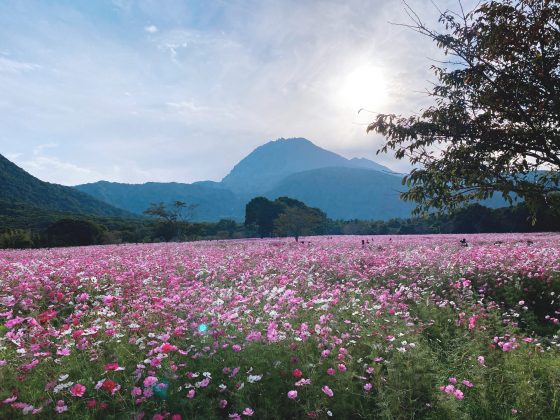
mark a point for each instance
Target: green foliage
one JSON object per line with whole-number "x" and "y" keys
{"x": 17, "y": 238}
{"x": 75, "y": 232}
{"x": 496, "y": 112}
{"x": 261, "y": 212}
{"x": 284, "y": 216}
{"x": 297, "y": 221}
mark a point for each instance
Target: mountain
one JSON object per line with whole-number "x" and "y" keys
{"x": 343, "y": 188}
{"x": 269, "y": 164}
{"x": 214, "y": 201}
{"x": 17, "y": 186}
{"x": 346, "y": 193}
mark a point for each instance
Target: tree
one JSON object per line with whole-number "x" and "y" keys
{"x": 171, "y": 219}
{"x": 75, "y": 232}
{"x": 261, "y": 212}
{"x": 298, "y": 221}
{"x": 495, "y": 125}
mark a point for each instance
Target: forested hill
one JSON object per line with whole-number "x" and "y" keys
{"x": 16, "y": 185}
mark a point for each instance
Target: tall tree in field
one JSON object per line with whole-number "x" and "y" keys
{"x": 261, "y": 212}
{"x": 298, "y": 221}
{"x": 495, "y": 124}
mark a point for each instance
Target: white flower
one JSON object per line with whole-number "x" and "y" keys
{"x": 254, "y": 378}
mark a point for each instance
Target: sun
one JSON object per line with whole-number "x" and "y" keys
{"x": 364, "y": 87}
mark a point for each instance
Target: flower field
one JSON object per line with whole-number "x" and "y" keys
{"x": 402, "y": 327}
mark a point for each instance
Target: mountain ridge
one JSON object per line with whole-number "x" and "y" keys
{"x": 17, "y": 185}
{"x": 261, "y": 172}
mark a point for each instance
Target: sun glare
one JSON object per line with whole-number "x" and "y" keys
{"x": 364, "y": 87}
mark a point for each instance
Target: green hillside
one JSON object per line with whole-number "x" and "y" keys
{"x": 17, "y": 186}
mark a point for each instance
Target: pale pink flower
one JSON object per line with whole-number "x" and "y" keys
{"x": 292, "y": 395}
{"x": 248, "y": 412}
{"x": 149, "y": 381}
{"x": 60, "y": 407}
{"x": 328, "y": 392}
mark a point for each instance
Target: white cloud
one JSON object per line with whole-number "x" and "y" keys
{"x": 152, "y": 29}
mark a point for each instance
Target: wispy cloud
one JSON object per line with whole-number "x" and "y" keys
{"x": 13, "y": 66}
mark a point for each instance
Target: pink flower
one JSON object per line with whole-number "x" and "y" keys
{"x": 248, "y": 412}
{"x": 342, "y": 367}
{"x": 136, "y": 392}
{"x": 481, "y": 360}
{"x": 331, "y": 371}
{"x": 167, "y": 347}
{"x": 191, "y": 394}
{"x": 223, "y": 404}
{"x": 468, "y": 384}
{"x": 458, "y": 394}
{"x": 114, "y": 366}
{"x": 176, "y": 417}
{"x": 292, "y": 395}
{"x": 303, "y": 382}
{"x": 78, "y": 390}
{"x": 149, "y": 381}
{"x": 82, "y": 297}
{"x": 453, "y": 380}
{"x": 60, "y": 407}
{"x": 65, "y": 351}
{"x": 236, "y": 348}
{"x": 449, "y": 389}
{"x": 507, "y": 346}
{"x": 328, "y": 392}
{"x": 10, "y": 399}
{"x": 297, "y": 373}
{"x": 368, "y": 387}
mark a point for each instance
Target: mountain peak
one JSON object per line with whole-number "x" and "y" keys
{"x": 268, "y": 164}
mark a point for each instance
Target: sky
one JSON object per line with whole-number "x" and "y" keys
{"x": 179, "y": 90}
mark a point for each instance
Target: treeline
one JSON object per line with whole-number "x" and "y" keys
{"x": 264, "y": 218}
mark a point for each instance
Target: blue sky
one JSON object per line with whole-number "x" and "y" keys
{"x": 178, "y": 90}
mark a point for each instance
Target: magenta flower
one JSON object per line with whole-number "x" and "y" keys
{"x": 368, "y": 387}
{"x": 292, "y": 395}
{"x": 191, "y": 394}
{"x": 78, "y": 390}
{"x": 248, "y": 412}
